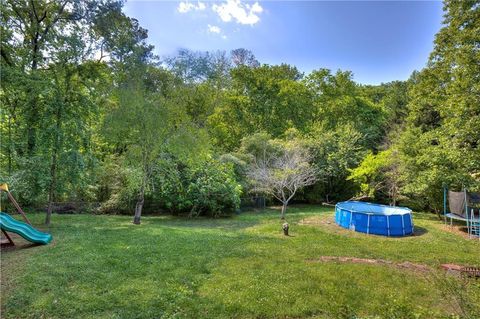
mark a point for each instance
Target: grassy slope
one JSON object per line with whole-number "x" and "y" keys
{"x": 105, "y": 267}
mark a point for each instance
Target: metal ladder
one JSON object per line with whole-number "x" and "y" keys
{"x": 474, "y": 225}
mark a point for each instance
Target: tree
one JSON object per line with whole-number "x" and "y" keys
{"x": 53, "y": 86}
{"x": 33, "y": 37}
{"x": 392, "y": 97}
{"x": 68, "y": 120}
{"x": 334, "y": 153}
{"x": 145, "y": 121}
{"x": 440, "y": 144}
{"x": 283, "y": 172}
{"x": 338, "y": 102}
{"x": 267, "y": 99}
{"x": 379, "y": 176}
{"x": 244, "y": 57}
{"x": 198, "y": 66}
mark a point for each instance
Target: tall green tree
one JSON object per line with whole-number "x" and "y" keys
{"x": 33, "y": 37}
{"x": 267, "y": 99}
{"x": 392, "y": 97}
{"x": 338, "y": 102}
{"x": 334, "y": 153}
{"x": 441, "y": 143}
{"x": 379, "y": 176}
{"x": 142, "y": 121}
{"x": 53, "y": 82}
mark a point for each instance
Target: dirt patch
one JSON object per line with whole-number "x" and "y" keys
{"x": 458, "y": 270}
{"x": 455, "y": 229}
{"x": 317, "y": 220}
{"x": 323, "y": 221}
{"x": 327, "y": 222}
{"x": 406, "y": 265}
{"x": 450, "y": 269}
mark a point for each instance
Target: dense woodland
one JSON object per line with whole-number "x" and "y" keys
{"x": 90, "y": 114}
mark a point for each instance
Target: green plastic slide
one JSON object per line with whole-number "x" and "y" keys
{"x": 12, "y": 225}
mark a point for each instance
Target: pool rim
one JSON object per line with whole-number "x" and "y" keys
{"x": 399, "y": 208}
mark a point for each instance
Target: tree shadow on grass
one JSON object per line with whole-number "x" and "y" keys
{"x": 231, "y": 223}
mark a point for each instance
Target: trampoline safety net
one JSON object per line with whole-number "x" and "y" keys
{"x": 456, "y": 202}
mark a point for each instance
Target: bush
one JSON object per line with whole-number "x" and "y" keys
{"x": 169, "y": 182}
{"x": 203, "y": 188}
{"x": 213, "y": 189}
{"x": 116, "y": 187}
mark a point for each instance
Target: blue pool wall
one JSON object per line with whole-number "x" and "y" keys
{"x": 374, "y": 219}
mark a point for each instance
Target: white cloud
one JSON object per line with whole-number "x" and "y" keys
{"x": 239, "y": 12}
{"x": 214, "y": 29}
{"x": 186, "y": 6}
{"x": 201, "y": 6}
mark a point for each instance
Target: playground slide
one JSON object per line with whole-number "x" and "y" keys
{"x": 12, "y": 225}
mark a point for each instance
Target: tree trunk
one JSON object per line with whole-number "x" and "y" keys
{"x": 284, "y": 209}
{"x": 139, "y": 206}
{"x": 51, "y": 190}
{"x": 53, "y": 182}
{"x": 53, "y": 166}
{"x": 329, "y": 186}
{"x": 48, "y": 217}
{"x": 9, "y": 166}
{"x": 32, "y": 115}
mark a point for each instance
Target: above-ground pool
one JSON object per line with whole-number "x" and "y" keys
{"x": 374, "y": 218}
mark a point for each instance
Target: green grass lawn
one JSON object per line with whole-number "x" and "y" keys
{"x": 238, "y": 267}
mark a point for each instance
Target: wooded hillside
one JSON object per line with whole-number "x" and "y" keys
{"x": 90, "y": 114}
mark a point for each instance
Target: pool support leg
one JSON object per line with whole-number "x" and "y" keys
{"x": 368, "y": 225}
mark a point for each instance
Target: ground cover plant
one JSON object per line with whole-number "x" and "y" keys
{"x": 236, "y": 267}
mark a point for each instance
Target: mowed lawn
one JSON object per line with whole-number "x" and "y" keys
{"x": 236, "y": 267}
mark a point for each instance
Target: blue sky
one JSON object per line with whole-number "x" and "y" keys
{"x": 379, "y": 41}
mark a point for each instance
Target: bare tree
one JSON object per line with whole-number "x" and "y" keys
{"x": 282, "y": 174}
{"x": 245, "y": 57}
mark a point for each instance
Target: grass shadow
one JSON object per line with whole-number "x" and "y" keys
{"x": 419, "y": 231}
{"x": 17, "y": 247}
{"x": 224, "y": 223}
{"x": 19, "y": 244}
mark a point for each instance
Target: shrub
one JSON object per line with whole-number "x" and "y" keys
{"x": 202, "y": 188}
{"x": 212, "y": 189}
{"x": 116, "y": 187}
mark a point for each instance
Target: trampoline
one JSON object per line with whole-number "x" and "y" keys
{"x": 463, "y": 206}
{"x": 374, "y": 219}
